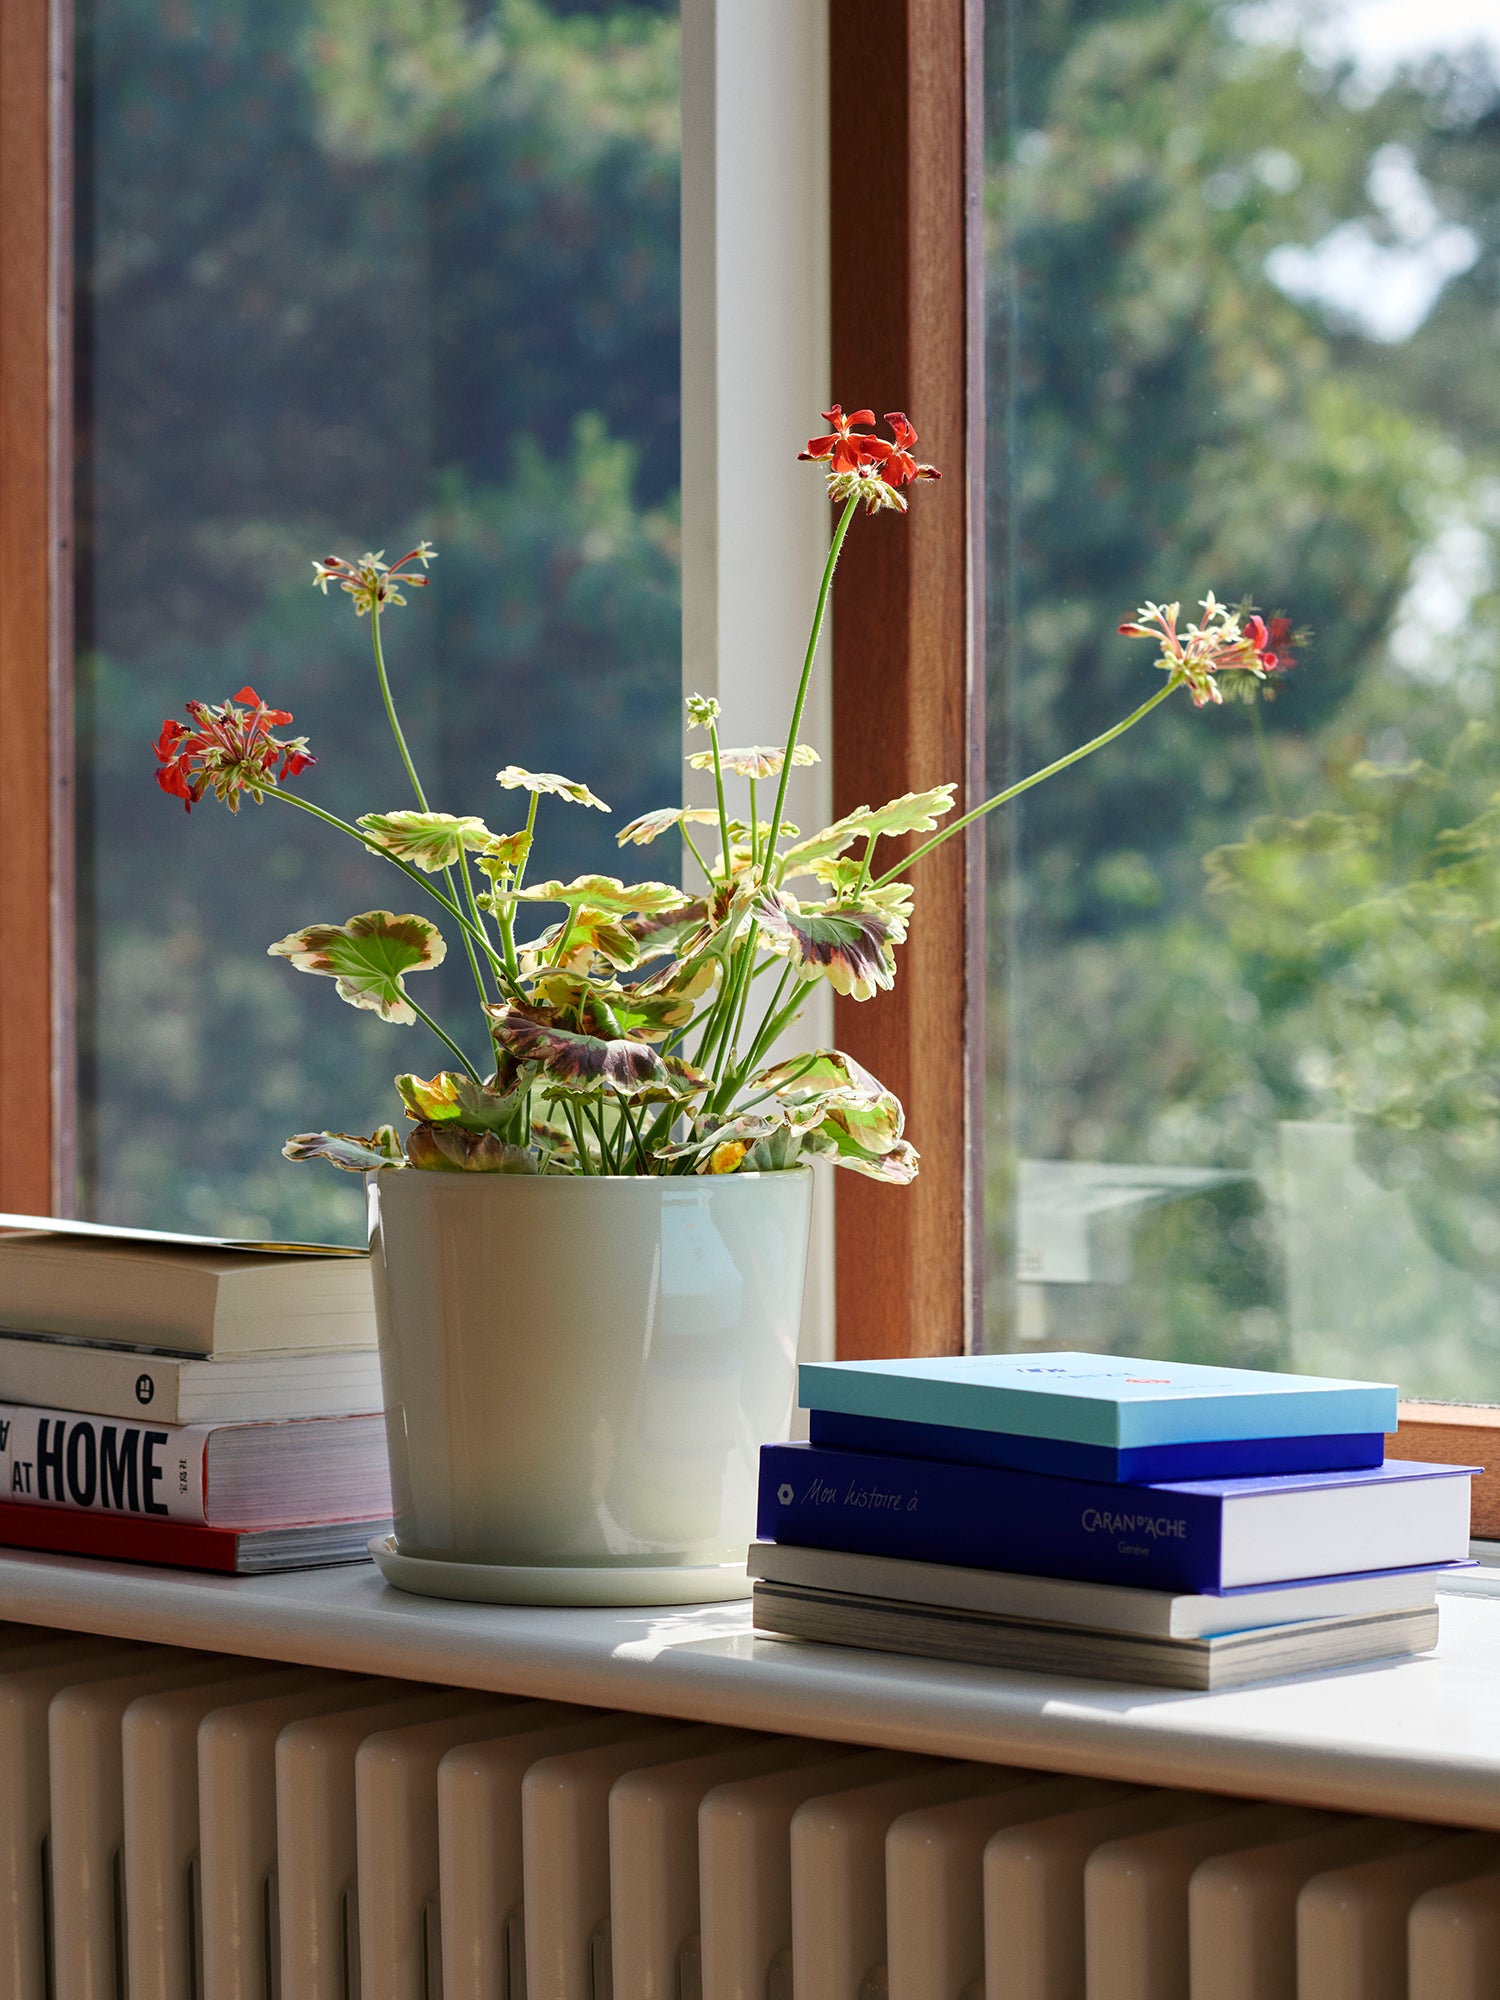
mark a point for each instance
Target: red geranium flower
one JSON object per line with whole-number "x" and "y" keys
{"x": 845, "y": 451}
{"x": 229, "y": 750}
{"x": 1271, "y": 643}
{"x": 900, "y": 467}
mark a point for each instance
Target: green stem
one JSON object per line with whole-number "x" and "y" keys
{"x": 1263, "y": 751}
{"x": 693, "y": 850}
{"x": 713, "y": 744}
{"x": 759, "y": 1045}
{"x": 864, "y": 867}
{"x": 754, "y": 830}
{"x": 580, "y": 1145}
{"x": 819, "y": 614}
{"x": 771, "y": 1028}
{"x": 416, "y": 784}
{"x": 721, "y": 1014}
{"x": 477, "y": 917}
{"x": 635, "y": 1132}
{"x": 390, "y": 709}
{"x": 596, "y": 1116}
{"x": 448, "y": 1041}
{"x": 507, "y": 919}
{"x": 530, "y": 834}
{"x": 1025, "y": 784}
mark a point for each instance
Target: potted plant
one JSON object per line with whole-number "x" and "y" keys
{"x": 589, "y": 1243}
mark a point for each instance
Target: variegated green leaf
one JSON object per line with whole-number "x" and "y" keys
{"x": 913, "y": 812}
{"x": 345, "y": 1149}
{"x": 757, "y": 760}
{"x": 515, "y": 779}
{"x": 453, "y": 1098}
{"x": 898, "y": 1166}
{"x": 503, "y": 855}
{"x": 849, "y": 947}
{"x": 751, "y": 1142}
{"x": 580, "y": 1062}
{"x": 452, "y": 1149}
{"x": 827, "y": 1077}
{"x": 428, "y": 840}
{"x": 368, "y": 956}
{"x": 652, "y": 825}
{"x": 584, "y": 935}
{"x": 607, "y": 892}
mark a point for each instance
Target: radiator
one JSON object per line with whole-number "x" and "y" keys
{"x": 177, "y": 1826}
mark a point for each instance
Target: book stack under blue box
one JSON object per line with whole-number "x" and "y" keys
{"x": 1167, "y": 1522}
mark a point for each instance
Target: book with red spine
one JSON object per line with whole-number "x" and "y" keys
{"x": 71, "y": 1531}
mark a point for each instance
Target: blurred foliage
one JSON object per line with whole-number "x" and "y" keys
{"x": 351, "y": 271}
{"x": 1166, "y": 417}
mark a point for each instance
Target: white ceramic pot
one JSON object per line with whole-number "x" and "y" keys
{"x": 579, "y": 1373}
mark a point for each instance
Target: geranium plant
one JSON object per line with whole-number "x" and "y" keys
{"x": 627, "y": 1027}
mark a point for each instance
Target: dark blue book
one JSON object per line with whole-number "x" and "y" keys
{"x": 1227, "y": 1458}
{"x": 1212, "y": 1534}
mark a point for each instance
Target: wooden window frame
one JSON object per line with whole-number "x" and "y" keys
{"x": 906, "y": 167}
{"x": 37, "y": 1092}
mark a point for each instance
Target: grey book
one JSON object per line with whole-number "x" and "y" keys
{"x": 1102, "y": 1607}
{"x": 181, "y": 1294}
{"x": 1225, "y": 1660}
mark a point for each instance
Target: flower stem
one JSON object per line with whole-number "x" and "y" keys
{"x": 1025, "y": 784}
{"x": 759, "y": 1043}
{"x": 1263, "y": 751}
{"x": 580, "y": 1144}
{"x": 819, "y": 614}
{"x": 713, "y": 744}
{"x": 416, "y": 784}
{"x": 693, "y": 850}
{"x": 390, "y": 709}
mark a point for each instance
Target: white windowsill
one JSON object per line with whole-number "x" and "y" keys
{"x": 1419, "y": 1738}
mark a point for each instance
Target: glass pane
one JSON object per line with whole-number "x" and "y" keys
{"x": 1244, "y": 335}
{"x": 352, "y": 273}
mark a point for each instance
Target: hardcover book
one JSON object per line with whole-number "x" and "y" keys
{"x": 1099, "y": 1607}
{"x": 182, "y": 1545}
{"x": 181, "y": 1294}
{"x": 218, "y": 1475}
{"x": 1227, "y": 1458}
{"x": 113, "y": 1381}
{"x": 1098, "y": 1399}
{"x": 1232, "y": 1659}
{"x": 1196, "y": 1535}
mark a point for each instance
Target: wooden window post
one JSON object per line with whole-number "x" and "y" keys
{"x": 906, "y": 138}
{"x": 35, "y": 586}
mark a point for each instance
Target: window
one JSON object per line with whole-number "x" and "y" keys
{"x": 1242, "y": 1030}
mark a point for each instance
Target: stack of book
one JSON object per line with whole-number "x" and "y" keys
{"x": 1162, "y": 1522}
{"x": 186, "y": 1400}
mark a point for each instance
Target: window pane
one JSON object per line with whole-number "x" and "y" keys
{"x": 352, "y": 273}
{"x": 1244, "y": 333}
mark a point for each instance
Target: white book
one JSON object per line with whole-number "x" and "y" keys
{"x": 1099, "y": 1607}
{"x": 176, "y": 1389}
